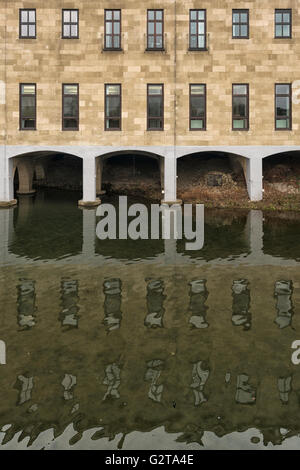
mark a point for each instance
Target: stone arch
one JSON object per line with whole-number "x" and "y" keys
{"x": 102, "y": 160}
{"x": 281, "y": 171}
{"x": 28, "y": 164}
{"x": 218, "y": 163}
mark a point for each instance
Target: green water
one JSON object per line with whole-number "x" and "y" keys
{"x": 142, "y": 344}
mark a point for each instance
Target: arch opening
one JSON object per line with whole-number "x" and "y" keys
{"x": 45, "y": 170}
{"x": 130, "y": 173}
{"x": 282, "y": 175}
{"x": 212, "y": 176}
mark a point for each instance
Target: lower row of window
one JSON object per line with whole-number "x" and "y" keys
{"x": 155, "y": 107}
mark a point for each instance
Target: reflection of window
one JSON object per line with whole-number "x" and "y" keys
{"x": 197, "y": 107}
{"x": 27, "y": 24}
{"x": 27, "y": 106}
{"x": 70, "y": 107}
{"x": 240, "y": 107}
{"x": 112, "y": 29}
{"x": 283, "y": 23}
{"x": 240, "y": 24}
{"x": 112, "y": 107}
{"x": 155, "y": 107}
{"x": 198, "y": 29}
{"x": 283, "y": 104}
{"x": 155, "y": 25}
{"x": 70, "y": 24}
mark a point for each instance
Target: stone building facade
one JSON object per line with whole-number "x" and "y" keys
{"x": 260, "y": 50}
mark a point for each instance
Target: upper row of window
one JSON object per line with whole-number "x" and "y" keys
{"x": 155, "y": 27}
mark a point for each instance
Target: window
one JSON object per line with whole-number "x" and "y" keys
{"x": 240, "y": 107}
{"x": 240, "y": 24}
{"x": 27, "y": 24}
{"x": 197, "y": 107}
{"x": 112, "y": 29}
{"x": 113, "y": 107}
{"x": 70, "y": 108}
{"x": 283, "y": 105}
{"x": 197, "y": 29}
{"x": 283, "y": 23}
{"x": 27, "y": 106}
{"x": 155, "y": 107}
{"x": 155, "y": 27}
{"x": 70, "y": 26}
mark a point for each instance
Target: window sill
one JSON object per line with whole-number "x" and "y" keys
{"x": 112, "y": 49}
{"x": 155, "y": 50}
{"x": 195, "y": 49}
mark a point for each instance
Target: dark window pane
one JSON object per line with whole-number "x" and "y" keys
{"x": 70, "y": 106}
{"x": 70, "y": 123}
{"x": 282, "y": 106}
{"x": 239, "y": 106}
{"x": 113, "y": 123}
{"x": 155, "y": 106}
{"x": 155, "y": 124}
{"x": 28, "y": 123}
{"x": 197, "y": 106}
{"x": 113, "y": 106}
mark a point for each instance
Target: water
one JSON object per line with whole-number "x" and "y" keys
{"x": 143, "y": 345}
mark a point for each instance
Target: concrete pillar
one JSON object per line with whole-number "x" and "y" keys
{"x": 254, "y": 178}
{"x": 170, "y": 180}
{"x": 89, "y": 198}
{"x": 162, "y": 169}
{"x": 6, "y": 181}
{"x": 26, "y": 171}
{"x": 99, "y": 173}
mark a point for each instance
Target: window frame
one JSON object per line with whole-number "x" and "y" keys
{"x": 290, "y": 107}
{"x": 247, "y": 128}
{"x": 190, "y": 103}
{"x": 160, "y": 129}
{"x": 105, "y": 107}
{"x": 20, "y": 107}
{"x": 197, "y": 21}
{"x": 112, "y": 35}
{"x": 27, "y": 23}
{"x": 70, "y": 23}
{"x": 63, "y": 106}
{"x": 240, "y": 11}
{"x": 155, "y": 35}
{"x": 282, "y": 11}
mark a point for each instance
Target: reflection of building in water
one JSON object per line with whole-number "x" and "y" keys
{"x": 26, "y": 303}
{"x": 200, "y": 374}
{"x": 69, "y": 299}
{"x": 241, "y": 304}
{"x": 25, "y": 385}
{"x": 154, "y": 369}
{"x": 155, "y": 301}
{"x": 284, "y": 388}
{"x": 197, "y": 308}
{"x": 245, "y": 393}
{"x": 284, "y": 305}
{"x": 69, "y": 382}
{"x": 112, "y": 380}
{"x": 112, "y": 289}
